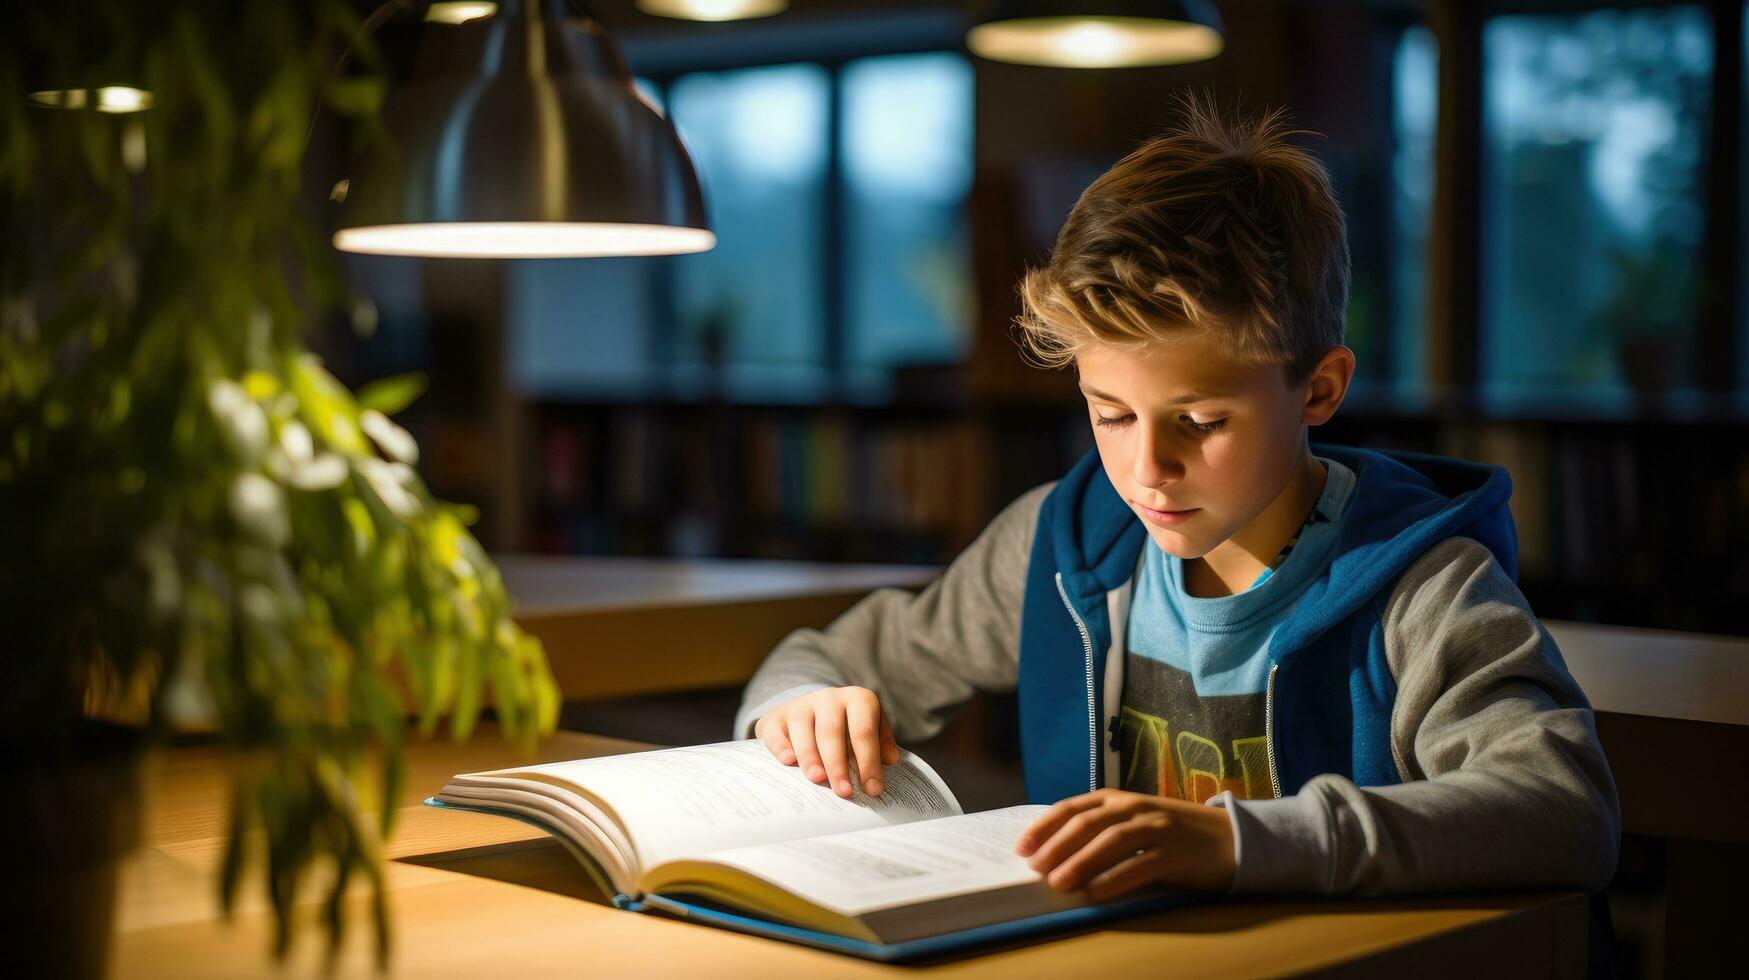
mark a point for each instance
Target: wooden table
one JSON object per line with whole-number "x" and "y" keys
{"x": 475, "y": 896}
{"x": 1672, "y": 708}
{"x": 616, "y": 627}
{"x": 1673, "y": 716}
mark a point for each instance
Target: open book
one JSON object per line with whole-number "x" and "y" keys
{"x": 728, "y": 835}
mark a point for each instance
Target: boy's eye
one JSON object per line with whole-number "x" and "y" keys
{"x": 1112, "y": 421}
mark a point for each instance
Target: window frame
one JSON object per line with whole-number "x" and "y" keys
{"x": 834, "y": 216}
{"x": 1456, "y": 277}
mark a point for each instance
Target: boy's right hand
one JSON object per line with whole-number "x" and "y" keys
{"x": 821, "y": 732}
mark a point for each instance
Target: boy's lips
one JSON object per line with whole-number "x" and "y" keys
{"x": 1167, "y": 518}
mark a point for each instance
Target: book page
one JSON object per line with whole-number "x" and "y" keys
{"x": 597, "y": 856}
{"x": 863, "y": 871}
{"x": 686, "y": 801}
{"x": 563, "y": 813}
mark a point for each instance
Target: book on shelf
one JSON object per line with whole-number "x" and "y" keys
{"x": 727, "y": 836}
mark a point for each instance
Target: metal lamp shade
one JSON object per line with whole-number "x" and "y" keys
{"x": 1098, "y": 33}
{"x": 520, "y": 135}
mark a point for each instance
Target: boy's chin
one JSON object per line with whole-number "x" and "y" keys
{"x": 1178, "y": 545}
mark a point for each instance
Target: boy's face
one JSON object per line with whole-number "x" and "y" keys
{"x": 1198, "y": 442}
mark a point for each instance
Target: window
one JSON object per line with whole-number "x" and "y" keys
{"x": 750, "y": 310}
{"x": 1594, "y": 129}
{"x": 907, "y": 146}
{"x": 580, "y": 327}
{"x": 1415, "y": 117}
{"x": 838, "y": 197}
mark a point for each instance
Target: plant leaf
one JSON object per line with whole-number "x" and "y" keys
{"x": 393, "y": 394}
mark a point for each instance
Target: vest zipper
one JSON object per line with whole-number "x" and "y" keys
{"x": 1092, "y": 709}
{"x": 1269, "y": 729}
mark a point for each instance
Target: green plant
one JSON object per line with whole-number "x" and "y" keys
{"x": 186, "y": 495}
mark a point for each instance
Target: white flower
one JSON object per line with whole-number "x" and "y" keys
{"x": 389, "y": 437}
{"x": 242, "y": 423}
{"x": 325, "y": 472}
{"x": 258, "y": 505}
{"x": 295, "y": 439}
{"x": 389, "y": 482}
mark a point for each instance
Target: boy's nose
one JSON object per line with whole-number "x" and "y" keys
{"x": 1157, "y": 465}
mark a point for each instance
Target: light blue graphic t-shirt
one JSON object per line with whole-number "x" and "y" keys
{"x": 1191, "y": 721}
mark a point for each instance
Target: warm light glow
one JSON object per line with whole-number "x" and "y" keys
{"x": 523, "y": 240}
{"x": 119, "y": 98}
{"x": 712, "y": 9}
{"x": 459, "y": 11}
{"x": 1094, "y": 42}
{"x": 110, "y": 98}
{"x": 72, "y": 98}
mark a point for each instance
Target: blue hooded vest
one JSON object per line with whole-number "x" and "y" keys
{"x": 1328, "y": 704}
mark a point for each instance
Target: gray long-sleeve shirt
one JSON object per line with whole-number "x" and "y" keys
{"x": 1504, "y": 782}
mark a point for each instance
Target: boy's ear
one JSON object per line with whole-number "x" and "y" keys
{"x": 1328, "y": 385}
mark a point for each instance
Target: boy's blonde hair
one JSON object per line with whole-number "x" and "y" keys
{"x": 1218, "y": 224}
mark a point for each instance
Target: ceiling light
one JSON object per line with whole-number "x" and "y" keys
{"x": 521, "y": 136}
{"x": 1097, "y": 33}
{"x": 108, "y": 98}
{"x": 712, "y": 9}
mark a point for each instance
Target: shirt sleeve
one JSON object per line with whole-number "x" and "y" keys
{"x": 1505, "y": 783}
{"x": 923, "y": 655}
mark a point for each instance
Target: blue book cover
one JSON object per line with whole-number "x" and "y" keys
{"x": 692, "y": 909}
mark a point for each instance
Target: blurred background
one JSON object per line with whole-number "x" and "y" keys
{"x": 1546, "y": 205}
{"x": 1545, "y": 202}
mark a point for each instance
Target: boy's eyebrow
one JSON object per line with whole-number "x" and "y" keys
{"x": 1185, "y": 399}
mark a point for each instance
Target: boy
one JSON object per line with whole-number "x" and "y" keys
{"x": 1328, "y": 647}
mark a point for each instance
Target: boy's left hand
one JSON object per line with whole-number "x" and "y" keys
{"x": 1114, "y": 842}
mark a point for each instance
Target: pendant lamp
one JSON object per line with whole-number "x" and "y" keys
{"x": 520, "y": 135}
{"x": 1097, "y": 33}
{"x": 103, "y": 98}
{"x": 713, "y": 10}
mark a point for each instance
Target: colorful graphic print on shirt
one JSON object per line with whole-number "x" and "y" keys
{"x": 1196, "y": 746}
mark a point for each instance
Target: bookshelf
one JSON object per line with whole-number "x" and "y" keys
{"x": 1641, "y": 522}
{"x": 910, "y": 483}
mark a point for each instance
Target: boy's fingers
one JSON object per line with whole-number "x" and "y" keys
{"x": 865, "y": 743}
{"x": 1071, "y": 837}
{"x": 770, "y": 731}
{"x": 1127, "y": 875}
{"x": 801, "y": 735}
{"x": 1047, "y": 823}
{"x": 1116, "y": 840}
{"x": 829, "y": 737}
{"x": 889, "y": 746}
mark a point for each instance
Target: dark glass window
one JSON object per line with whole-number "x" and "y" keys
{"x": 580, "y": 327}
{"x": 907, "y": 150}
{"x": 752, "y": 320}
{"x": 749, "y": 312}
{"x": 1415, "y": 116}
{"x": 1594, "y": 130}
